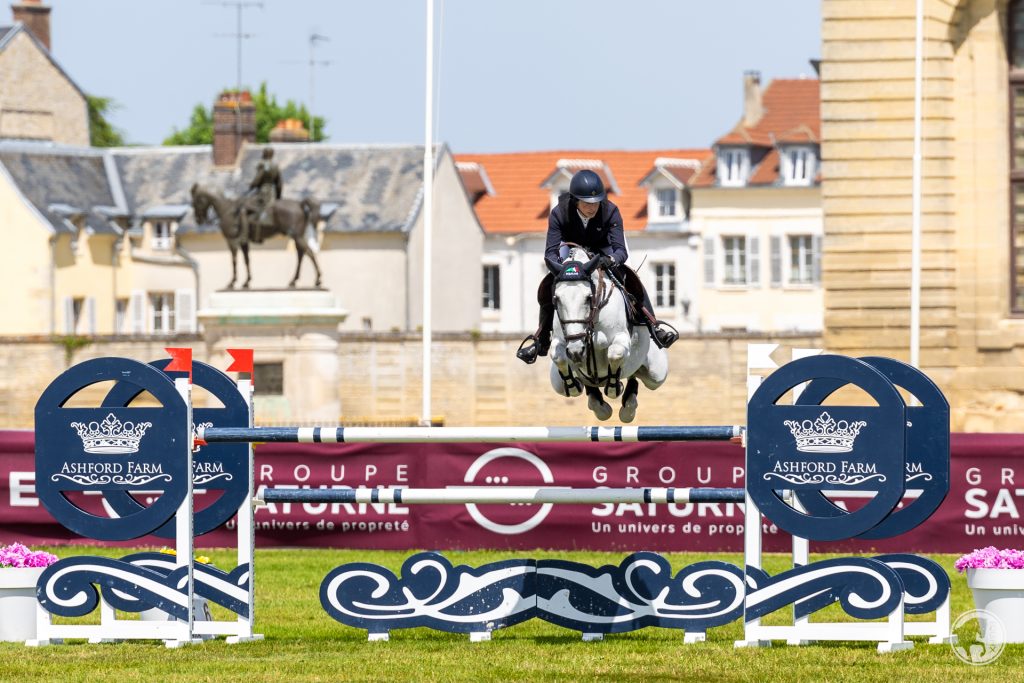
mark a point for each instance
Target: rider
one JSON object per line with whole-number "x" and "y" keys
{"x": 585, "y": 216}
{"x": 264, "y": 188}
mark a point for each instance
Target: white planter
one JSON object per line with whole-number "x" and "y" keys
{"x": 1001, "y": 592}
{"x": 18, "y": 603}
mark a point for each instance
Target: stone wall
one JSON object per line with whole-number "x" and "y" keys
{"x": 476, "y": 380}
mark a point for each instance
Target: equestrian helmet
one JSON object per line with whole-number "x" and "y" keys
{"x": 586, "y": 186}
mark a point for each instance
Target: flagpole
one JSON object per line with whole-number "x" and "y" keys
{"x": 428, "y": 213}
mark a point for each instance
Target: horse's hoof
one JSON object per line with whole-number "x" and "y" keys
{"x": 603, "y": 412}
{"x": 627, "y": 415}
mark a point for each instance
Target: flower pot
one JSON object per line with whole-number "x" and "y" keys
{"x": 18, "y": 603}
{"x": 1001, "y": 592}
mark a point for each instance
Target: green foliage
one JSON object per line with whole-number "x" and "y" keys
{"x": 71, "y": 343}
{"x": 268, "y": 112}
{"x": 199, "y": 131}
{"x": 101, "y": 133}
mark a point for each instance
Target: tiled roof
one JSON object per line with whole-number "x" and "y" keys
{"x": 520, "y": 204}
{"x": 376, "y": 188}
{"x": 792, "y": 114}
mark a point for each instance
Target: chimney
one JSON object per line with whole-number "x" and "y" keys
{"x": 289, "y": 130}
{"x": 753, "y": 109}
{"x": 36, "y": 18}
{"x": 234, "y": 122}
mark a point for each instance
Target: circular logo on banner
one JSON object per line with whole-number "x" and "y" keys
{"x": 222, "y": 469}
{"x": 111, "y": 448}
{"x": 503, "y": 475}
{"x": 927, "y": 472}
{"x": 856, "y": 450}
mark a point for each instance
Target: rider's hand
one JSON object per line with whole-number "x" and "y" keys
{"x": 606, "y": 261}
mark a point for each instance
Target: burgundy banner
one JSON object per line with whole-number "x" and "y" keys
{"x": 982, "y": 508}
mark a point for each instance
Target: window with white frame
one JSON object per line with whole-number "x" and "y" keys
{"x": 734, "y": 260}
{"x": 120, "y": 316}
{"x": 664, "y": 285}
{"x": 801, "y": 259}
{"x": 666, "y": 199}
{"x": 798, "y": 165}
{"x": 733, "y": 166}
{"x": 492, "y": 287}
{"x": 161, "y": 308}
{"x": 161, "y": 235}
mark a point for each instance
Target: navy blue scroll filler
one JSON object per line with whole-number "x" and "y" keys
{"x": 429, "y": 591}
{"x": 811, "y": 448}
{"x": 111, "y": 448}
{"x": 221, "y": 469}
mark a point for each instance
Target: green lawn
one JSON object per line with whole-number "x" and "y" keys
{"x": 304, "y": 644}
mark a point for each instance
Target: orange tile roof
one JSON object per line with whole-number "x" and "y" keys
{"x": 520, "y": 204}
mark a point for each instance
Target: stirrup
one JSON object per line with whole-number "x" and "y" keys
{"x": 529, "y": 349}
{"x": 664, "y": 334}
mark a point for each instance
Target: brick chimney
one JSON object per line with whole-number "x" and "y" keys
{"x": 234, "y": 122}
{"x": 753, "y": 108}
{"x": 289, "y": 130}
{"x": 36, "y": 18}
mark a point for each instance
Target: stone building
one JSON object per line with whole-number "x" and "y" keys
{"x": 972, "y": 255}
{"x": 38, "y": 100}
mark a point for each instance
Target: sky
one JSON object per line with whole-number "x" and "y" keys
{"x": 511, "y": 75}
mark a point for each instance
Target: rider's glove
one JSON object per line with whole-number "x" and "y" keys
{"x": 606, "y": 261}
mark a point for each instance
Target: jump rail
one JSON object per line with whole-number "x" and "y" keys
{"x": 461, "y": 495}
{"x": 464, "y": 434}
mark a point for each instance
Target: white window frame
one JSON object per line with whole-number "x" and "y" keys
{"x": 121, "y": 316}
{"x": 733, "y": 166}
{"x": 491, "y": 300}
{"x": 665, "y": 203}
{"x": 734, "y": 260}
{"x": 800, "y": 260}
{"x": 799, "y": 165}
{"x": 161, "y": 312}
{"x": 163, "y": 235}
{"x": 664, "y": 284}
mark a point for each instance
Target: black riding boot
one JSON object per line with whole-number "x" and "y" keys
{"x": 538, "y": 343}
{"x": 663, "y": 334}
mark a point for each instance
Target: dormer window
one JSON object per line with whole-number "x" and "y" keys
{"x": 161, "y": 235}
{"x": 799, "y": 165}
{"x": 667, "y": 199}
{"x": 733, "y": 166}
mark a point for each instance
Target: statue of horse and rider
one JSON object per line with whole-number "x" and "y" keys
{"x": 259, "y": 214}
{"x": 605, "y": 330}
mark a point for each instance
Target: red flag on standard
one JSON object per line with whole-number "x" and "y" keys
{"x": 241, "y": 360}
{"x": 181, "y": 361}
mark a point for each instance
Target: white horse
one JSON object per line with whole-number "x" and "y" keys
{"x": 594, "y": 345}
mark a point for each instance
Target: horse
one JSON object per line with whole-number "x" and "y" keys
{"x": 594, "y": 344}
{"x": 290, "y": 219}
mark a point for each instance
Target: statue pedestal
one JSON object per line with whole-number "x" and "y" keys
{"x": 296, "y": 329}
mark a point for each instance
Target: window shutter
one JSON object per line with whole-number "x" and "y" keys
{"x": 184, "y": 311}
{"x": 754, "y": 262}
{"x": 816, "y": 258}
{"x": 709, "y": 261}
{"x": 69, "y": 315}
{"x": 138, "y": 311}
{"x": 90, "y": 315}
{"x": 776, "y": 256}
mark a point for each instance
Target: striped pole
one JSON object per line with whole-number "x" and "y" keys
{"x": 463, "y": 495}
{"x": 463, "y": 434}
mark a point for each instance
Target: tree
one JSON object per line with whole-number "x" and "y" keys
{"x": 268, "y": 113}
{"x": 101, "y": 133}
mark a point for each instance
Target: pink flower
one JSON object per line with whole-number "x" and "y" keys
{"x": 18, "y": 556}
{"x": 991, "y": 558}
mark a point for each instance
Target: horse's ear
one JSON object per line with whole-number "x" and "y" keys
{"x": 588, "y": 267}
{"x": 554, "y": 266}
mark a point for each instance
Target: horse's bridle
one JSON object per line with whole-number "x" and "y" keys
{"x": 600, "y": 295}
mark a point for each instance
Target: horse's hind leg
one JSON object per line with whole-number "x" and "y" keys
{"x": 248, "y": 271}
{"x": 298, "y": 263}
{"x": 628, "y": 410}
{"x": 596, "y": 403}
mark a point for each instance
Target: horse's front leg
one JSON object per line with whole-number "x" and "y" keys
{"x": 617, "y": 352}
{"x": 563, "y": 381}
{"x": 234, "y": 268}
{"x": 248, "y": 271}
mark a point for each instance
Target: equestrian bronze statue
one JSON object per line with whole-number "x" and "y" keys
{"x": 259, "y": 214}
